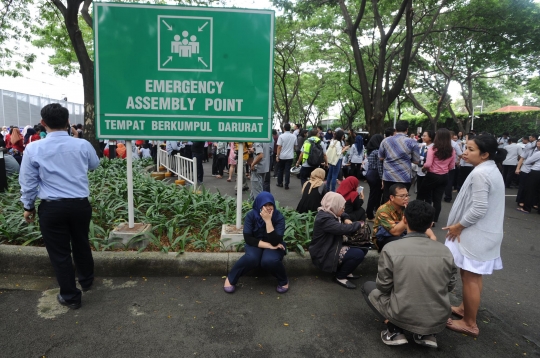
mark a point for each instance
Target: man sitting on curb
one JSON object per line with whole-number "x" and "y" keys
{"x": 414, "y": 278}
{"x": 389, "y": 225}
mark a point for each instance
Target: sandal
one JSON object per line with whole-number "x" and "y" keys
{"x": 218, "y": 177}
{"x": 229, "y": 179}
{"x": 522, "y": 210}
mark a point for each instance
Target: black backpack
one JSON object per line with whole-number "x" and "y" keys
{"x": 316, "y": 154}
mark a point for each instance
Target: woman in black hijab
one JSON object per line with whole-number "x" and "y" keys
{"x": 374, "y": 175}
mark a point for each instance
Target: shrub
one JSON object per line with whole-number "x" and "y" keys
{"x": 180, "y": 218}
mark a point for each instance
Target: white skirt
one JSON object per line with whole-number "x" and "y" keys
{"x": 478, "y": 267}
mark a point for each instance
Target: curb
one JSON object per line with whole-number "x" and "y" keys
{"x": 35, "y": 261}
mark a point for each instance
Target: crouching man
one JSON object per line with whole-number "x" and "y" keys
{"x": 414, "y": 279}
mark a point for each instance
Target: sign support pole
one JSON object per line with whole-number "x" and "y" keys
{"x": 129, "y": 154}
{"x": 239, "y": 184}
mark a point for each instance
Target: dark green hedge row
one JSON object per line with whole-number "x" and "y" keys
{"x": 515, "y": 123}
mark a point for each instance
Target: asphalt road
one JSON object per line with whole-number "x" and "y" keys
{"x": 192, "y": 316}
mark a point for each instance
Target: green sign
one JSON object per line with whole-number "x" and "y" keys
{"x": 189, "y": 73}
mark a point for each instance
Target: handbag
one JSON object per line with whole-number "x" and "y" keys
{"x": 331, "y": 154}
{"x": 361, "y": 238}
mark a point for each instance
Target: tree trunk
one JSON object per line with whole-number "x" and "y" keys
{"x": 71, "y": 18}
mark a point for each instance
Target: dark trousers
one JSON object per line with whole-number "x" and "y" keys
{"x": 266, "y": 183}
{"x": 284, "y": 169}
{"x": 464, "y": 172}
{"x": 449, "y": 185}
{"x": 532, "y": 190}
{"x": 375, "y": 193}
{"x": 509, "y": 174}
{"x": 268, "y": 259}
{"x": 205, "y": 154}
{"x": 220, "y": 160}
{"x": 367, "y": 287}
{"x": 64, "y": 227}
{"x": 305, "y": 173}
{"x": 419, "y": 181}
{"x": 386, "y": 190}
{"x": 200, "y": 170}
{"x": 523, "y": 177}
{"x": 215, "y": 165}
{"x": 432, "y": 191}
{"x": 350, "y": 262}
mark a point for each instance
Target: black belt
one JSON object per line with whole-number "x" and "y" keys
{"x": 63, "y": 199}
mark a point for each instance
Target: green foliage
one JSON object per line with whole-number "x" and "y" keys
{"x": 15, "y": 20}
{"x": 515, "y": 123}
{"x": 180, "y": 218}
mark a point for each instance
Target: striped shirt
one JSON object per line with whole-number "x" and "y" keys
{"x": 374, "y": 163}
{"x": 398, "y": 152}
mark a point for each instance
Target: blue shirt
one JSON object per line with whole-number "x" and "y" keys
{"x": 398, "y": 152}
{"x": 56, "y": 168}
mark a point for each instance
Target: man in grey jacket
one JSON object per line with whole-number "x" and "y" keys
{"x": 414, "y": 278}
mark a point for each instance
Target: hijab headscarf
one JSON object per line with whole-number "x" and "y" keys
{"x": 328, "y": 135}
{"x": 374, "y": 143}
{"x": 15, "y": 135}
{"x": 348, "y": 187}
{"x": 316, "y": 179}
{"x": 29, "y": 133}
{"x": 332, "y": 203}
{"x": 121, "y": 150}
{"x": 261, "y": 200}
{"x": 359, "y": 143}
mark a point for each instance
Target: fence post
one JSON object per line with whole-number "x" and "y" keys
{"x": 195, "y": 174}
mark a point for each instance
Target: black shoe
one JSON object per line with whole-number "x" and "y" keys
{"x": 63, "y": 302}
{"x": 86, "y": 289}
{"x": 347, "y": 283}
{"x": 447, "y": 200}
{"x": 353, "y": 277}
{"x": 286, "y": 187}
{"x": 280, "y": 185}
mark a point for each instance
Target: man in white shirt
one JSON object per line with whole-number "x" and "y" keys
{"x": 510, "y": 162}
{"x": 285, "y": 155}
{"x": 503, "y": 141}
{"x": 297, "y": 129}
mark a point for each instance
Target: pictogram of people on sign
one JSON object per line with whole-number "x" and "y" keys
{"x": 185, "y": 45}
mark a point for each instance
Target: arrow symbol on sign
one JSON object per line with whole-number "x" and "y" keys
{"x": 168, "y": 26}
{"x": 201, "y": 60}
{"x": 166, "y": 62}
{"x": 202, "y": 27}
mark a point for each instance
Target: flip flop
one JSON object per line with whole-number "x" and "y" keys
{"x": 522, "y": 211}
{"x": 457, "y": 313}
{"x": 229, "y": 179}
{"x": 474, "y": 332}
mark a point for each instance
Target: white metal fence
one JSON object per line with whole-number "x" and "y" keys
{"x": 182, "y": 167}
{"x": 21, "y": 109}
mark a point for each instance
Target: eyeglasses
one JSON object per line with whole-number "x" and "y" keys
{"x": 402, "y": 196}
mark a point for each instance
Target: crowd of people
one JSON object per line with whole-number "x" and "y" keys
{"x": 415, "y": 270}
{"x": 434, "y": 165}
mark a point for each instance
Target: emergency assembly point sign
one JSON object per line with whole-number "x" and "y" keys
{"x": 175, "y": 72}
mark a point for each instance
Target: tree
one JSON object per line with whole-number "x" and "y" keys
{"x": 15, "y": 23}
{"x": 384, "y": 38}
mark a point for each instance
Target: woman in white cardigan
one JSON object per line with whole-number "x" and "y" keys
{"x": 476, "y": 221}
